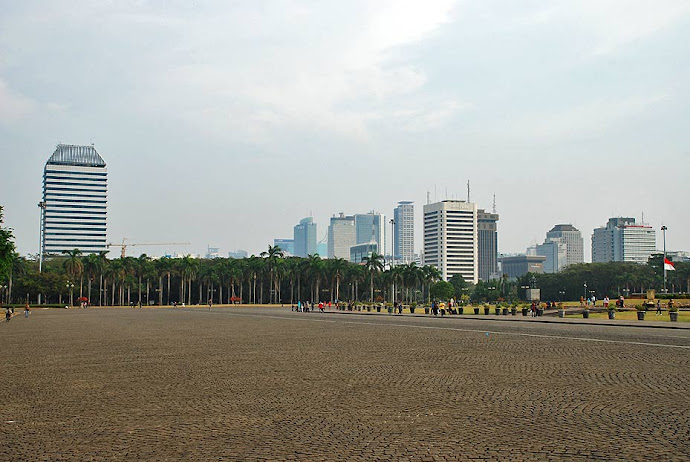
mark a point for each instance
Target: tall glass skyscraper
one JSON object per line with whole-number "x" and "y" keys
{"x": 304, "y": 237}
{"x": 403, "y": 229}
{"x": 74, "y": 206}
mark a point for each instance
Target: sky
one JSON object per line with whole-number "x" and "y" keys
{"x": 225, "y": 123}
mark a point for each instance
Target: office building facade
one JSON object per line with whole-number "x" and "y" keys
{"x": 286, "y": 245}
{"x": 359, "y": 251}
{"x": 622, "y": 239}
{"x": 403, "y": 232}
{"x": 341, "y": 236}
{"x": 487, "y": 244}
{"x": 75, "y": 198}
{"x": 450, "y": 239}
{"x": 304, "y": 238}
{"x": 369, "y": 227}
{"x": 515, "y": 266}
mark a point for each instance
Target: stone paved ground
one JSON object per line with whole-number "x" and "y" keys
{"x": 243, "y": 384}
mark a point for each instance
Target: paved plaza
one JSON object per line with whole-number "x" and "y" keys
{"x": 270, "y": 384}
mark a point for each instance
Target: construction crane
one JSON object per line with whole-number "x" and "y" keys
{"x": 124, "y": 245}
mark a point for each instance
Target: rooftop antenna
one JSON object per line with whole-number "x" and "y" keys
{"x": 494, "y": 210}
{"x": 428, "y": 197}
{"x": 468, "y": 191}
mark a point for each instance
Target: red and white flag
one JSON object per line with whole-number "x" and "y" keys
{"x": 668, "y": 266}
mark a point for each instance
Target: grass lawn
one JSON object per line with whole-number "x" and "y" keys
{"x": 683, "y": 316}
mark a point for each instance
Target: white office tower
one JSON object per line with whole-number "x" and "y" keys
{"x": 74, "y": 206}
{"x": 623, "y": 240}
{"x": 572, "y": 238}
{"x": 450, "y": 239}
{"x": 341, "y": 236}
{"x": 403, "y": 239}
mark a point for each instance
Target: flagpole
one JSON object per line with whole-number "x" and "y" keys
{"x": 663, "y": 230}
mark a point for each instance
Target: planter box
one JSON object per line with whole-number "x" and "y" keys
{"x": 612, "y": 314}
{"x": 368, "y": 308}
{"x": 513, "y": 311}
{"x": 378, "y": 309}
{"x": 461, "y": 310}
{"x": 487, "y": 310}
{"x": 674, "y": 316}
{"x": 640, "y": 315}
{"x": 426, "y": 310}
{"x": 525, "y": 311}
{"x": 505, "y": 311}
{"x": 497, "y": 311}
{"x": 476, "y": 311}
{"x": 585, "y": 314}
{"x": 561, "y": 313}
{"x": 411, "y": 310}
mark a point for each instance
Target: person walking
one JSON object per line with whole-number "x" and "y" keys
{"x": 27, "y": 310}
{"x": 8, "y": 315}
{"x": 209, "y": 304}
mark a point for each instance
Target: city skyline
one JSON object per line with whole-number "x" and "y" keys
{"x": 239, "y": 114}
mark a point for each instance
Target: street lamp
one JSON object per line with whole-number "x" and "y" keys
{"x": 3, "y": 287}
{"x": 562, "y": 293}
{"x": 70, "y": 286}
{"x": 663, "y": 230}
{"x": 585, "y": 285}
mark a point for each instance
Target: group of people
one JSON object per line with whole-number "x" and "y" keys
{"x": 9, "y": 312}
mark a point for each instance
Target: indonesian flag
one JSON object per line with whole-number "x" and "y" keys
{"x": 668, "y": 266}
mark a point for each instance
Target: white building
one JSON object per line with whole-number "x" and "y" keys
{"x": 341, "y": 236}
{"x": 623, "y": 240}
{"x": 75, "y": 196}
{"x": 450, "y": 239}
{"x": 403, "y": 229}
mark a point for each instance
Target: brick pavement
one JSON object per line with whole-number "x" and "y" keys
{"x": 236, "y": 384}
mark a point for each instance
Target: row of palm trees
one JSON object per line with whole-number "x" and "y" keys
{"x": 268, "y": 278}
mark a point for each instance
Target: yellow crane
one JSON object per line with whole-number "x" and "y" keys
{"x": 125, "y": 244}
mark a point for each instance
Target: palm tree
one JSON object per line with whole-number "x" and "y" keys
{"x": 17, "y": 269}
{"x": 373, "y": 265}
{"x": 74, "y": 268}
{"x": 338, "y": 267}
{"x": 92, "y": 265}
{"x": 271, "y": 257}
{"x": 315, "y": 270}
{"x": 164, "y": 266}
{"x": 140, "y": 266}
{"x": 430, "y": 274}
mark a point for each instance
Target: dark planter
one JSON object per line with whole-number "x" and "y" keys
{"x": 673, "y": 315}
{"x": 505, "y": 311}
{"x": 461, "y": 310}
{"x": 411, "y": 310}
{"x": 525, "y": 311}
{"x": 497, "y": 311}
{"x": 585, "y": 314}
{"x": 476, "y": 311}
{"x": 378, "y": 309}
{"x": 612, "y": 314}
{"x": 640, "y": 315}
{"x": 426, "y": 310}
{"x": 561, "y": 313}
{"x": 513, "y": 311}
{"x": 368, "y": 308}
{"x": 486, "y": 310}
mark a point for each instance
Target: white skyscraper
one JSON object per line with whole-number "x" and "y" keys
{"x": 563, "y": 246}
{"x": 403, "y": 239}
{"x": 341, "y": 236}
{"x": 623, "y": 240}
{"x": 450, "y": 239}
{"x": 74, "y": 206}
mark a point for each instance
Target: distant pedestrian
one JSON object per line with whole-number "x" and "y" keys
{"x": 8, "y": 315}
{"x": 658, "y": 307}
{"x": 26, "y": 310}
{"x": 209, "y": 304}
{"x": 321, "y": 307}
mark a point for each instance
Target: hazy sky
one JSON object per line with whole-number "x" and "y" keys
{"x": 224, "y": 123}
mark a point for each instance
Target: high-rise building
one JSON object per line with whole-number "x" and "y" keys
{"x": 341, "y": 236}
{"x": 515, "y": 266}
{"x": 563, "y": 246}
{"x": 369, "y": 227}
{"x": 238, "y": 254}
{"x": 403, "y": 232}
{"x": 305, "y": 237}
{"x": 286, "y": 245}
{"x": 450, "y": 239}
{"x": 75, "y": 196}
{"x": 487, "y": 244}
{"x": 623, "y": 240}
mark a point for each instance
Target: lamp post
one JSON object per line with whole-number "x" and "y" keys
{"x": 3, "y": 287}
{"x": 70, "y": 286}
{"x": 562, "y": 293}
{"x": 663, "y": 230}
{"x": 41, "y": 243}
{"x": 392, "y": 222}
